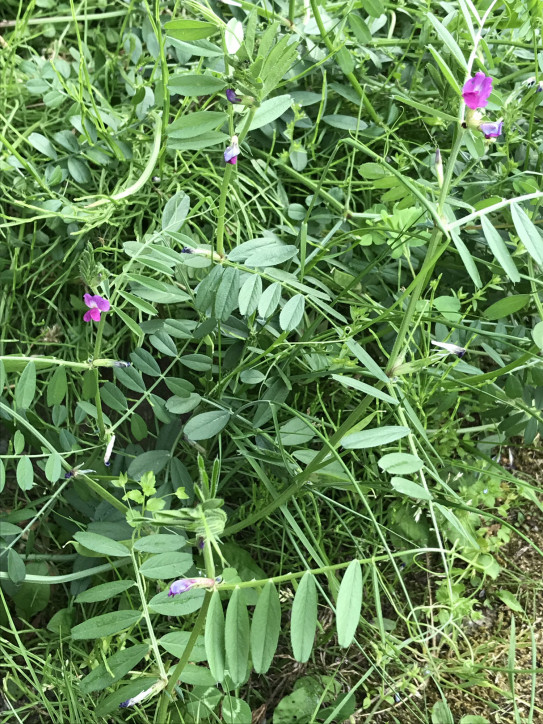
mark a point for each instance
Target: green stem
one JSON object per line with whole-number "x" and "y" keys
{"x": 350, "y": 76}
{"x": 98, "y": 400}
{"x": 397, "y": 354}
{"x": 228, "y": 171}
{"x": 145, "y": 174}
{"x": 161, "y": 717}
{"x": 147, "y": 617}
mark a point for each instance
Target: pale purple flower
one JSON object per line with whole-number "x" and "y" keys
{"x": 491, "y": 129}
{"x": 451, "y": 348}
{"x": 232, "y": 152}
{"x": 121, "y": 363}
{"x": 185, "y": 584}
{"x": 231, "y": 96}
{"x": 96, "y": 305}
{"x": 476, "y": 90}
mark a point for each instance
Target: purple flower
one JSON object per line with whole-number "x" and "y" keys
{"x": 185, "y": 584}
{"x": 476, "y": 90}
{"x": 232, "y": 152}
{"x": 492, "y": 129}
{"x": 121, "y": 363}
{"x": 231, "y": 96}
{"x": 451, "y": 348}
{"x": 96, "y": 305}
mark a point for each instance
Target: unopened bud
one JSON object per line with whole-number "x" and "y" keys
{"x": 439, "y": 168}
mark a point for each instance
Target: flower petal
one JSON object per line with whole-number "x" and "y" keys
{"x": 87, "y": 316}
{"x": 102, "y": 303}
{"x": 89, "y": 300}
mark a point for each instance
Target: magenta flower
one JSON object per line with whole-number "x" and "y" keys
{"x": 492, "y": 129}
{"x": 185, "y": 584}
{"x": 476, "y": 90}
{"x": 96, "y": 305}
{"x": 232, "y": 152}
{"x": 231, "y": 96}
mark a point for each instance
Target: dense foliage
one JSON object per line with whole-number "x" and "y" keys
{"x": 271, "y": 324}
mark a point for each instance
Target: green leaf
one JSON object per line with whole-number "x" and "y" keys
{"x": 144, "y": 307}
{"x": 249, "y": 295}
{"x": 79, "y": 170}
{"x": 101, "y": 544}
{"x": 145, "y": 362}
{"x": 7, "y": 528}
{"x": 368, "y": 362}
{"x": 263, "y": 252}
{"x": 53, "y": 467}
{"x": 537, "y": 334}
{"x": 448, "y": 40}
{"x": 349, "y": 604}
{"x": 400, "y": 463}
{"x": 107, "y": 624}
{"x": 160, "y": 543}
{"x": 196, "y": 124}
{"x": 132, "y": 325}
{"x": 345, "y": 123}
{"x": 269, "y": 111}
{"x": 499, "y": 249}
{"x": 441, "y": 713}
{"x": 447, "y": 72}
{"x": 303, "y": 622}
{"x": 130, "y": 378}
{"x": 43, "y": 145}
{"x": 152, "y": 461}
{"x": 192, "y": 84}
{"x": 506, "y": 306}
{"x": 464, "y": 534}
{"x": 528, "y": 233}
{"x": 26, "y": 387}
{"x": 57, "y": 387}
{"x": 214, "y": 637}
{"x": 175, "y": 212}
{"x": 269, "y": 300}
{"x": 181, "y": 605}
{"x": 165, "y": 566}
{"x": 189, "y": 29}
{"x": 204, "y": 140}
{"x": 366, "y": 389}
{"x": 235, "y": 711}
{"x": 510, "y": 600}
{"x": 25, "y": 473}
{"x": 104, "y": 591}
{"x": 16, "y": 567}
{"x": 119, "y": 664}
{"x": 292, "y": 313}
{"x": 374, "y": 437}
{"x": 236, "y": 637}
{"x": 176, "y": 642}
{"x": 408, "y": 487}
{"x": 206, "y": 425}
{"x": 265, "y": 628}
{"x": 432, "y": 111}
{"x": 2, "y": 478}
{"x": 467, "y": 258}
{"x": 226, "y": 298}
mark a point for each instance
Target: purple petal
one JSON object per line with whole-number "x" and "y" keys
{"x": 180, "y": 586}
{"x": 492, "y": 129}
{"x": 102, "y": 303}
{"x": 231, "y": 153}
{"x": 476, "y": 90}
{"x": 92, "y": 314}
{"x": 231, "y": 95}
{"x": 89, "y": 300}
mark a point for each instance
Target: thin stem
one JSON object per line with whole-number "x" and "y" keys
{"x": 350, "y": 76}
{"x": 147, "y": 617}
{"x": 196, "y": 631}
{"x": 221, "y": 213}
{"x": 97, "y": 398}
